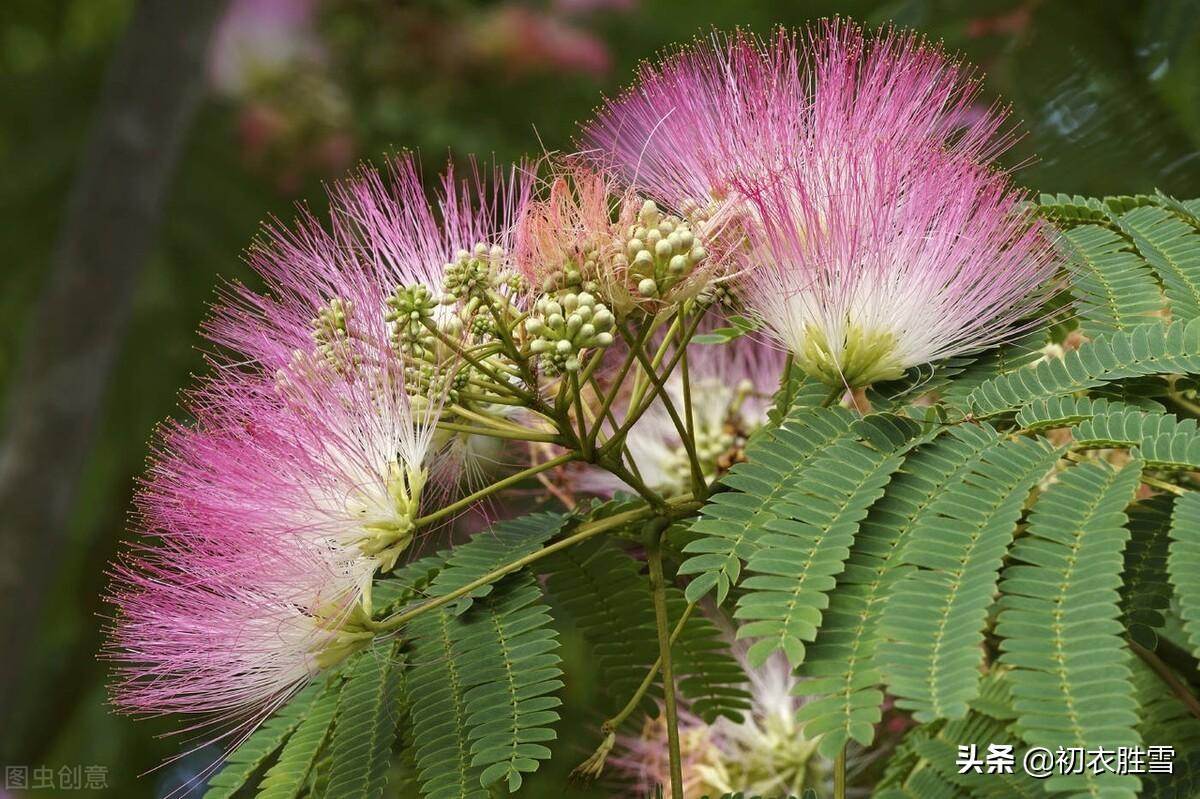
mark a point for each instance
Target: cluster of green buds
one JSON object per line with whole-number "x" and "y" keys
{"x": 410, "y": 311}
{"x": 561, "y": 328}
{"x": 472, "y": 274}
{"x": 658, "y": 252}
{"x": 331, "y": 334}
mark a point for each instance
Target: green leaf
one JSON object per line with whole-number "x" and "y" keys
{"x": 934, "y": 619}
{"x": 1145, "y": 350}
{"x": 1172, "y": 248}
{"x": 508, "y": 655}
{"x": 1059, "y": 621}
{"x": 709, "y": 678}
{"x": 439, "y": 711}
{"x": 805, "y": 547}
{"x": 732, "y": 522}
{"x": 252, "y": 753}
{"x": 1146, "y": 592}
{"x": 366, "y": 725}
{"x": 738, "y": 327}
{"x": 842, "y": 664}
{"x": 389, "y": 593}
{"x": 599, "y": 591}
{"x": 1114, "y": 288}
{"x": 1052, "y": 412}
{"x": 489, "y": 550}
{"x": 288, "y": 774}
{"x": 1163, "y": 440}
{"x": 1183, "y": 564}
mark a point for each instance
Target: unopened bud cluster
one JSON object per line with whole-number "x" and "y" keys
{"x": 472, "y": 274}
{"x": 331, "y": 334}
{"x": 561, "y": 329}
{"x": 658, "y": 252}
{"x": 410, "y": 310}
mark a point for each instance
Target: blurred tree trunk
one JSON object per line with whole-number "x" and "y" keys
{"x": 152, "y": 90}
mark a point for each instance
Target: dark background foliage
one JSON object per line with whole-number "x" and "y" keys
{"x": 1108, "y": 93}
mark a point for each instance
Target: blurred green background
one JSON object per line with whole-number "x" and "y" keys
{"x": 298, "y": 91}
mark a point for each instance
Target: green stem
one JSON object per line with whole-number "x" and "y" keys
{"x": 585, "y": 444}
{"x": 635, "y": 413}
{"x": 500, "y": 432}
{"x": 501, "y": 382}
{"x": 689, "y": 445}
{"x": 1172, "y": 681}
{"x": 512, "y": 479}
{"x": 658, "y": 588}
{"x": 839, "y": 775}
{"x": 611, "y": 396}
{"x": 617, "y": 469}
{"x": 619, "y": 719}
{"x": 679, "y": 506}
{"x": 699, "y": 486}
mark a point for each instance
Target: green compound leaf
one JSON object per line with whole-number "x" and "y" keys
{"x": 1145, "y": 350}
{"x": 489, "y": 550}
{"x": 365, "y": 726}
{"x": 1145, "y": 591}
{"x": 842, "y": 665}
{"x": 1059, "y": 622}
{"x": 1172, "y": 247}
{"x": 709, "y": 678}
{"x": 934, "y": 619}
{"x": 1114, "y": 288}
{"x": 805, "y": 547}
{"x": 250, "y": 756}
{"x": 1183, "y": 564}
{"x": 1163, "y": 441}
{"x": 289, "y": 774}
{"x": 439, "y": 711}
{"x": 508, "y": 655}
{"x": 600, "y": 592}
{"x": 732, "y": 522}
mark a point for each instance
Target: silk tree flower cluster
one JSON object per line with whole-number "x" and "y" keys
{"x": 765, "y": 754}
{"x": 862, "y": 174}
{"x": 839, "y": 192}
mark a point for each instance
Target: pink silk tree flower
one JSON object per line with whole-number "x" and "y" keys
{"x": 307, "y": 464}
{"x": 738, "y": 106}
{"x": 874, "y": 260}
{"x": 227, "y": 636}
{"x": 765, "y": 754}
{"x": 385, "y": 236}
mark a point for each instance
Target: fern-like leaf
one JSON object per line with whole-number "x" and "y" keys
{"x": 1164, "y": 441}
{"x": 709, "y": 678}
{"x": 732, "y": 522}
{"x": 1114, "y": 288}
{"x": 1144, "y": 350}
{"x": 1172, "y": 248}
{"x": 934, "y": 619}
{"x": 250, "y": 756}
{"x": 599, "y": 591}
{"x": 805, "y": 547}
{"x": 1183, "y": 563}
{"x": 439, "y": 711}
{"x": 1145, "y": 592}
{"x": 365, "y": 726}
{"x": 489, "y": 550}
{"x": 287, "y": 776}
{"x": 1060, "y": 628}
{"x": 508, "y": 655}
{"x": 842, "y": 664}
{"x": 1052, "y": 412}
